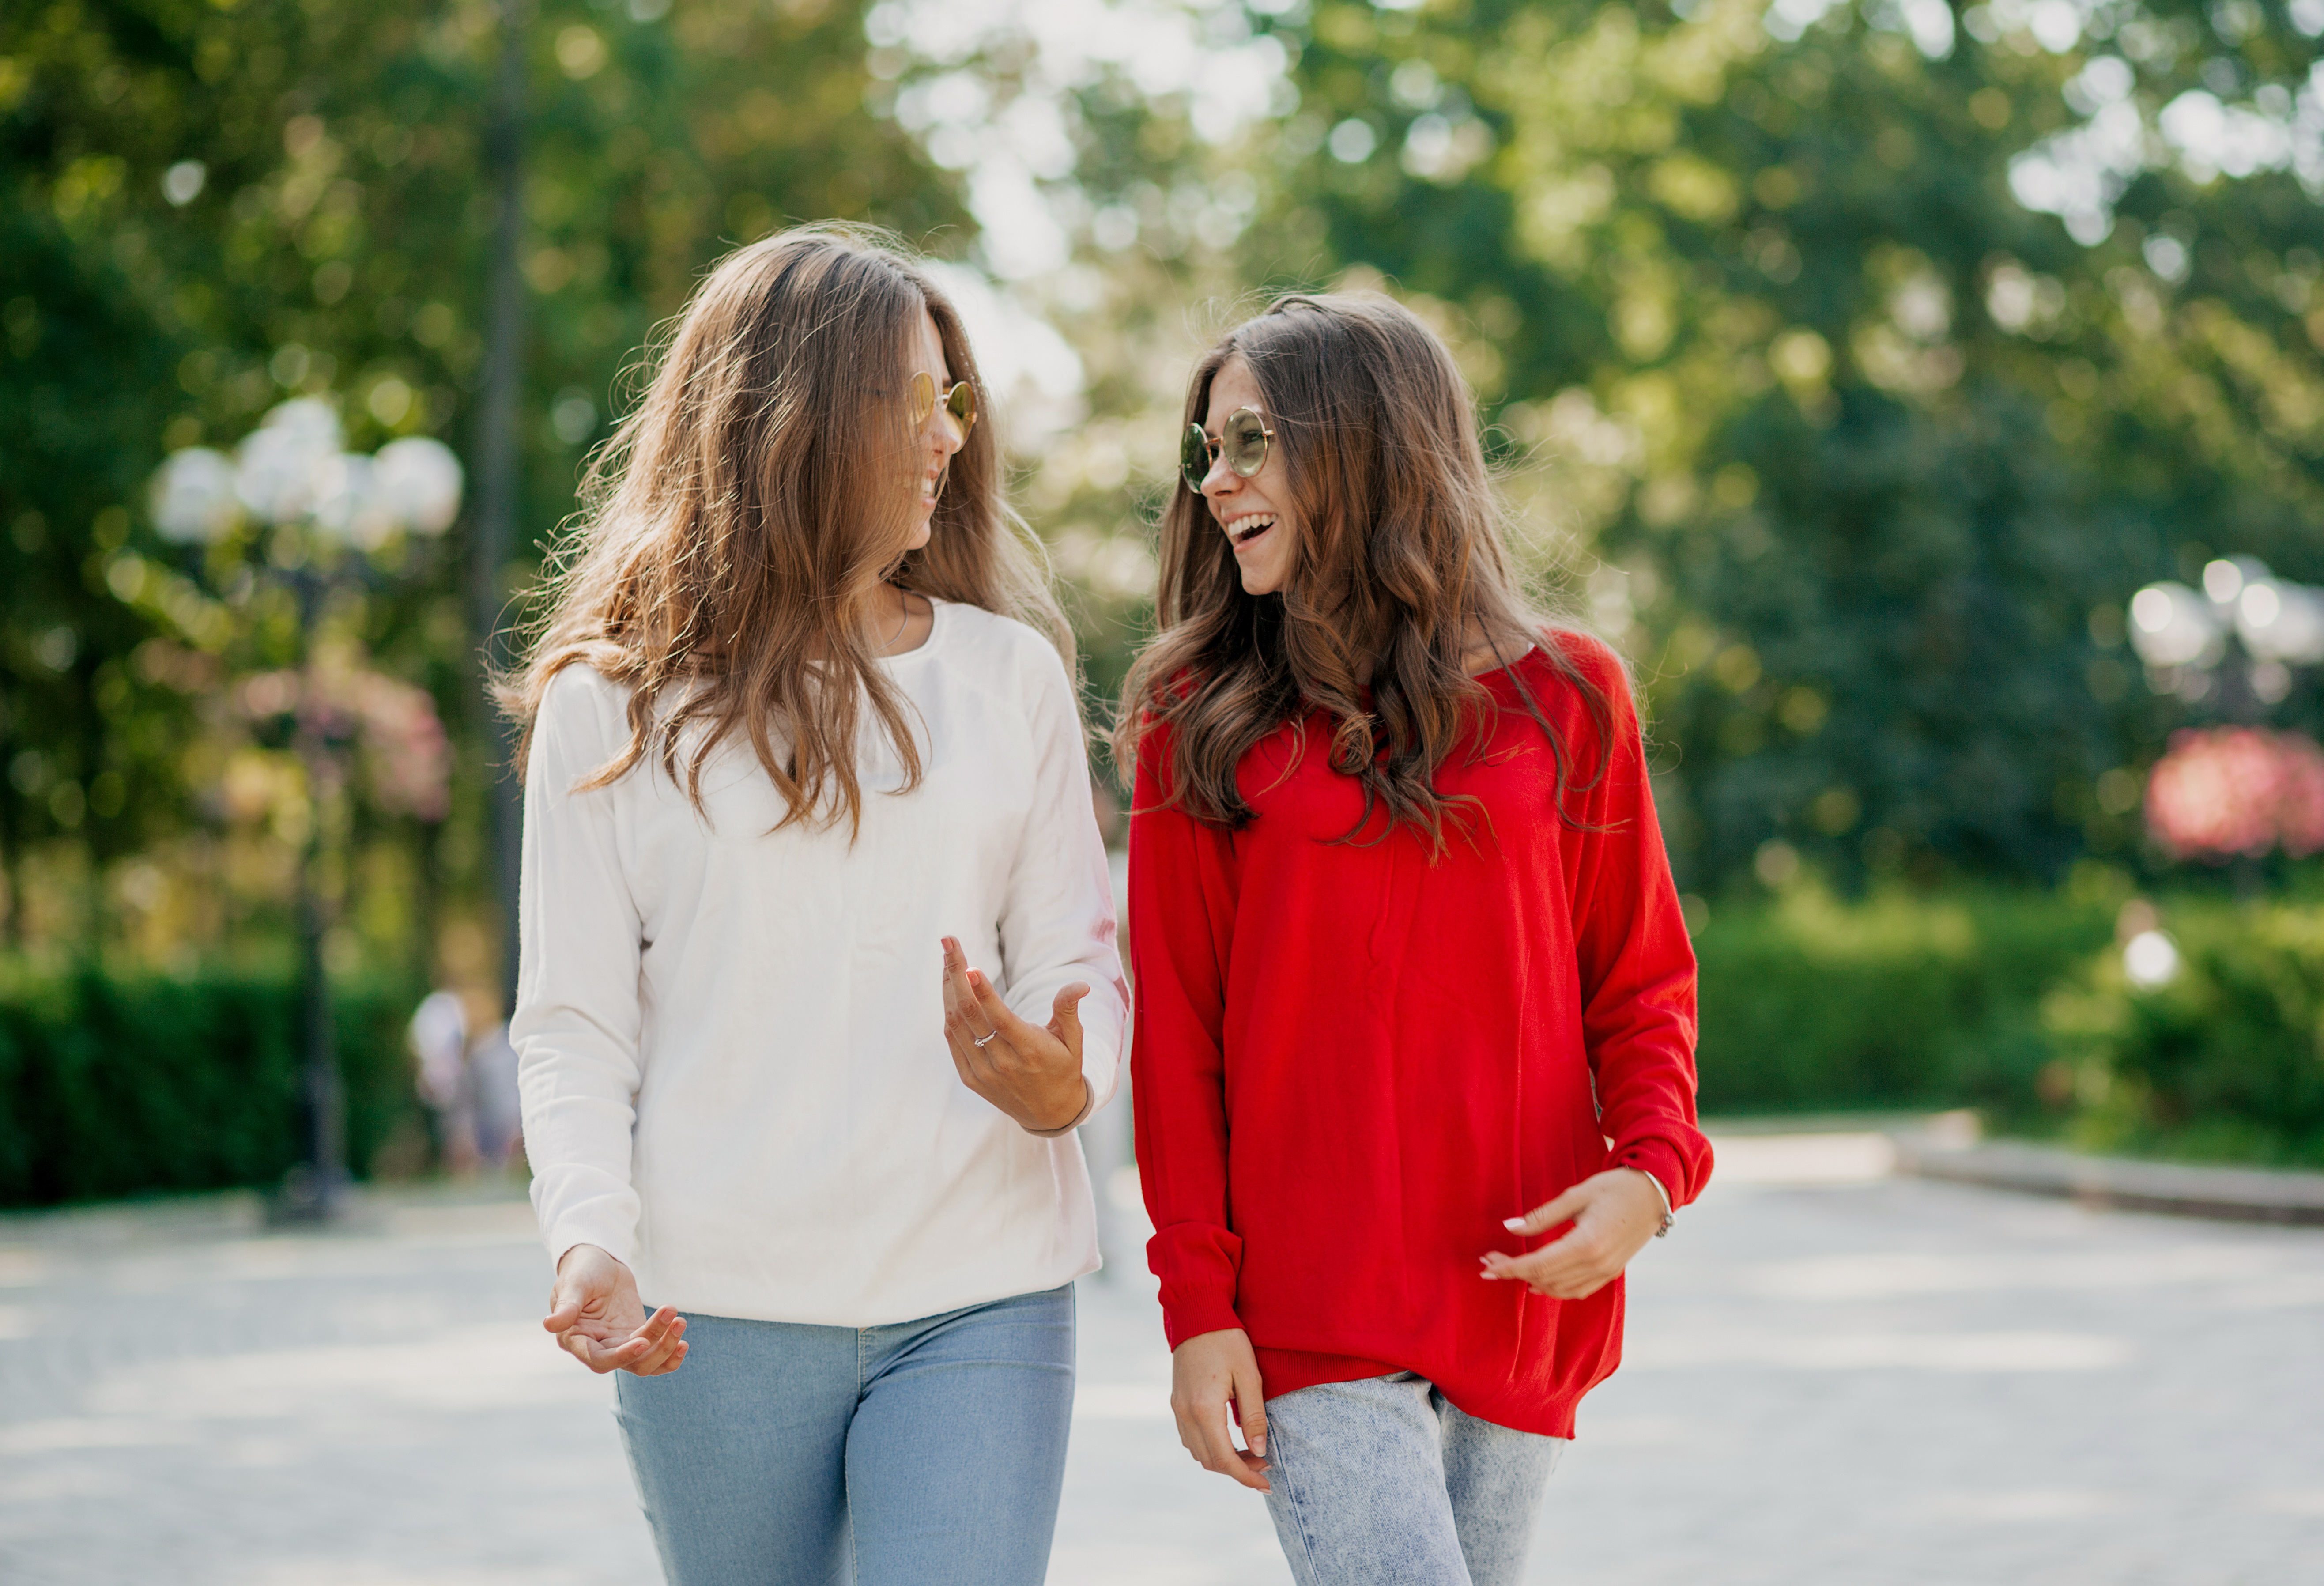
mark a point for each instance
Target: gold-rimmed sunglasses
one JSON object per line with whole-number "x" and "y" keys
{"x": 1242, "y": 441}
{"x": 959, "y": 400}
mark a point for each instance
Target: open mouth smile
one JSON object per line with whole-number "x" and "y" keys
{"x": 1242, "y": 532}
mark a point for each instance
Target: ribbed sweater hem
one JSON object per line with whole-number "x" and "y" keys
{"x": 1289, "y": 1370}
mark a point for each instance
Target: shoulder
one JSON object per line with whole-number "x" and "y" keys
{"x": 1582, "y": 687}
{"x": 1580, "y": 668}
{"x": 1156, "y": 737}
{"x": 583, "y": 714}
{"x": 991, "y": 634}
{"x": 580, "y": 692}
{"x": 1004, "y": 649}
{"x": 1587, "y": 657}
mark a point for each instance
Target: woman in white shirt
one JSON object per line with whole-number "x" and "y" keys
{"x": 795, "y": 761}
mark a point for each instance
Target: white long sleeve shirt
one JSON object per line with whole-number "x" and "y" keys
{"x": 732, "y": 1037}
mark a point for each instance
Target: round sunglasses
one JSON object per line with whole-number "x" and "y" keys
{"x": 959, "y": 400}
{"x": 1242, "y": 440}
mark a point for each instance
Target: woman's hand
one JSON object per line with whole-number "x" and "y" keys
{"x": 1211, "y": 1376}
{"x": 598, "y": 1319}
{"x": 1614, "y": 1213}
{"x": 1033, "y": 1075}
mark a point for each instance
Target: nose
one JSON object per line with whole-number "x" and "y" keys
{"x": 1221, "y": 481}
{"x": 946, "y": 437}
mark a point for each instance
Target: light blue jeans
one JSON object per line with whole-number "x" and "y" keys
{"x": 924, "y": 1453}
{"x": 1382, "y": 1481}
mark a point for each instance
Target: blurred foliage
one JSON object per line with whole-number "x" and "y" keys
{"x": 150, "y": 1084}
{"x": 1858, "y": 454}
{"x": 2225, "y": 1060}
{"x": 209, "y": 207}
{"x": 2012, "y": 1001}
{"x": 1810, "y": 1003}
{"x": 2017, "y": 1003}
{"x": 1871, "y": 453}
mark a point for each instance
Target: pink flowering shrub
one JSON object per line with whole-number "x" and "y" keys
{"x": 405, "y": 755}
{"x": 2224, "y": 791}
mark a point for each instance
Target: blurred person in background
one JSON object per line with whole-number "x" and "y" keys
{"x": 1412, "y": 977}
{"x": 439, "y": 1037}
{"x": 803, "y": 748}
{"x": 493, "y": 1102}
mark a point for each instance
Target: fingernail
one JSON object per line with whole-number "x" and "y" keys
{"x": 1514, "y": 1224}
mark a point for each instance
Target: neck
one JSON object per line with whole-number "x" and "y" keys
{"x": 886, "y": 620}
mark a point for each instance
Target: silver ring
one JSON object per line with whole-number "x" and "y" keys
{"x": 986, "y": 1040}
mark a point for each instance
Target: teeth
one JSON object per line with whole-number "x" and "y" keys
{"x": 1250, "y": 526}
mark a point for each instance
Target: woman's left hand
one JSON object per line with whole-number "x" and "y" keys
{"x": 1034, "y": 1075}
{"x": 1614, "y": 1213}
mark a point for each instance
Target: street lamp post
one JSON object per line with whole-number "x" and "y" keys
{"x": 2188, "y": 638}
{"x": 327, "y": 511}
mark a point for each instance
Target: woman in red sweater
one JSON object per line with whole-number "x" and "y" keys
{"x": 1414, "y": 1062}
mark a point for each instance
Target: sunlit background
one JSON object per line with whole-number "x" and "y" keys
{"x": 1928, "y": 400}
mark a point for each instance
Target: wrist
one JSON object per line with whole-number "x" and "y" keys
{"x": 583, "y": 1251}
{"x": 1082, "y": 1109}
{"x": 1669, "y": 1213}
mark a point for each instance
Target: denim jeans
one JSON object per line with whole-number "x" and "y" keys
{"x": 924, "y": 1453}
{"x": 1382, "y": 1481}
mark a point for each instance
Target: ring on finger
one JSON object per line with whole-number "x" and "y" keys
{"x": 988, "y": 1039}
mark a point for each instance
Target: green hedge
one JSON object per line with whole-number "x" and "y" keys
{"x": 1811, "y": 1003}
{"x": 2223, "y": 1060}
{"x": 117, "y": 1086}
{"x": 2012, "y": 1004}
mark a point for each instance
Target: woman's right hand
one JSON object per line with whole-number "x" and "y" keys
{"x": 1211, "y": 1376}
{"x": 598, "y": 1319}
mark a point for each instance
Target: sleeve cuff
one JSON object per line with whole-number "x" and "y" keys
{"x": 1185, "y": 1316}
{"x": 1662, "y": 1159}
{"x": 1199, "y": 1266}
{"x": 560, "y": 1233}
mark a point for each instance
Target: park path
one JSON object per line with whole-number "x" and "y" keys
{"x": 1834, "y": 1379}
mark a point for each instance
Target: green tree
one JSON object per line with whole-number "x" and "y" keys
{"x": 1872, "y": 451}
{"x": 212, "y": 208}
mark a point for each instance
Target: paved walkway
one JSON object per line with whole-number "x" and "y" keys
{"x": 1834, "y": 1379}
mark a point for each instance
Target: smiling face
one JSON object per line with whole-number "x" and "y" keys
{"x": 1254, "y": 512}
{"x": 940, "y": 437}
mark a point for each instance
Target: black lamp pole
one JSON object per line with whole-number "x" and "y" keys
{"x": 314, "y": 1191}
{"x": 496, "y": 470}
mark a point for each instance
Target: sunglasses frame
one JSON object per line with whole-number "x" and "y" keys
{"x": 1210, "y": 449}
{"x": 959, "y": 399}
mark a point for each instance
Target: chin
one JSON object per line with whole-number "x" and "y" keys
{"x": 920, "y": 533}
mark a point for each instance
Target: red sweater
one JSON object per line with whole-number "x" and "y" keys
{"x": 1350, "y": 1064}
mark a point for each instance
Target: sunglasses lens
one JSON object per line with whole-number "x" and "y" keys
{"x": 924, "y": 398}
{"x": 1195, "y": 457}
{"x": 962, "y": 405}
{"x": 1244, "y": 441}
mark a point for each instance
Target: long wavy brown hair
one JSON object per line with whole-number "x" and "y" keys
{"x": 735, "y": 533}
{"x": 1399, "y": 567}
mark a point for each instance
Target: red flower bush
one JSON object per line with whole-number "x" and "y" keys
{"x": 2224, "y": 791}
{"x": 406, "y": 756}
